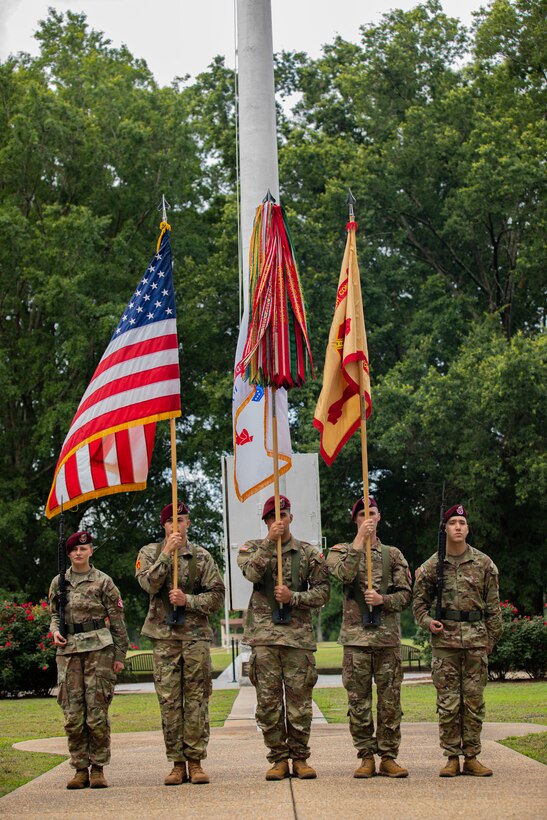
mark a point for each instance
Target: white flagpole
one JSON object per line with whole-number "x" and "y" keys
{"x": 258, "y": 165}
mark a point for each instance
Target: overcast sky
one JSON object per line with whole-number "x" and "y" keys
{"x": 178, "y": 37}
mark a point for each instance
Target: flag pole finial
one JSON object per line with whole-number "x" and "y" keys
{"x": 163, "y": 208}
{"x": 269, "y": 197}
{"x": 351, "y": 201}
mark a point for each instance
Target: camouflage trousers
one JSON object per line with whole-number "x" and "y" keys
{"x": 361, "y": 665}
{"x": 460, "y": 677}
{"x": 182, "y": 677}
{"x": 284, "y": 677}
{"x": 86, "y": 685}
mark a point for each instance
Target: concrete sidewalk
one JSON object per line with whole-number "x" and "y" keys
{"x": 237, "y": 764}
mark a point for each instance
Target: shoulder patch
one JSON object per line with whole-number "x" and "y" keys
{"x": 120, "y": 603}
{"x": 337, "y": 547}
{"x": 138, "y": 563}
{"x": 419, "y": 572}
{"x": 245, "y": 548}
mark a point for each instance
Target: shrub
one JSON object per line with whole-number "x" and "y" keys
{"x": 501, "y": 661}
{"x": 522, "y": 646}
{"x": 530, "y": 645}
{"x": 27, "y": 654}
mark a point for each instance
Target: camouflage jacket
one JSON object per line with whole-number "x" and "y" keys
{"x": 344, "y": 562}
{"x": 154, "y": 572}
{"x": 470, "y": 583}
{"x": 91, "y": 596}
{"x": 253, "y": 559}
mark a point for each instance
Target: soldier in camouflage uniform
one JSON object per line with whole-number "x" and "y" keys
{"x": 88, "y": 659}
{"x": 461, "y": 642}
{"x": 181, "y": 652}
{"x": 372, "y": 651}
{"x": 282, "y": 664}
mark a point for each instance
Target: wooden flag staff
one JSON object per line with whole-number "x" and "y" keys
{"x": 175, "y": 616}
{"x": 276, "y": 491}
{"x": 372, "y": 618}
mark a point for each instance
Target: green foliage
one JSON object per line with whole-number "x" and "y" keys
{"x": 522, "y": 646}
{"x": 27, "y": 655}
{"x": 439, "y": 132}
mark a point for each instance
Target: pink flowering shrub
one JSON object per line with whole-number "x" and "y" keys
{"x": 522, "y": 646}
{"x": 27, "y": 654}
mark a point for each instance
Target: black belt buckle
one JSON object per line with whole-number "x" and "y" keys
{"x": 175, "y": 617}
{"x": 282, "y": 615}
{"x": 371, "y": 618}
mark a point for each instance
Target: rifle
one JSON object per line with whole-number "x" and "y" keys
{"x": 441, "y": 553}
{"x": 61, "y": 562}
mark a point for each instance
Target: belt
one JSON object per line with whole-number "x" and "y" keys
{"x": 461, "y": 615}
{"x": 87, "y": 626}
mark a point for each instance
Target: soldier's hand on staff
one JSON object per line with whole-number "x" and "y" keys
{"x": 277, "y": 528}
{"x": 367, "y": 527}
{"x": 373, "y": 598}
{"x": 177, "y": 597}
{"x": 58, "y": 639}
{"x": 282, "y": 594}
{"x": 435, "y": 626}
{"x": 117, "y": 667}
{"x": 174, "y": 540}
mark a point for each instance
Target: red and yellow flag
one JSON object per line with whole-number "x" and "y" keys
{"x": 346, "y": 374}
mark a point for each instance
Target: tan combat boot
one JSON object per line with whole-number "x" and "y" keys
{"x": 451, "y": 767}
{"x": 390, "y": 768}
{"x": 177, "y": 775}
{"x": 473, "y": 767}
{"x": 97, "y": 779}
{"x": 279, "y": 770}
{"x": 80, "y": 780}
{"x": 301, "y": 769}
{"x": 367, "y": 767}
{"x": 196, "y": 774}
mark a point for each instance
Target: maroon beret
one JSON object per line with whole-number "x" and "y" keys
{"x": 167, "y": 511}
{"x": 359, "y": 505}
{"x": 457, "y": 509}
{"x": 82, "y": 537}
{"x": 269, "y": 506}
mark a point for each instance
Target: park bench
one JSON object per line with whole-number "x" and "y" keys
{"x": 410, "y": 655}
{"x": 142, "y": 662}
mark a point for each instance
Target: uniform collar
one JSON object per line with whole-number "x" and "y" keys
{"x": 468, "y": 555}
{"x": 289, "y": 545}
{"x": 377, "y": 546}
{"x": 77, "y": 577}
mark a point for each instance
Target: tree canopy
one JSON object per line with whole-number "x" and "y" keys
{"x": 440, "y": 134}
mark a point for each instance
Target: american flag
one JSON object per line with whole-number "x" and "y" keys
{"x": 137, "y": 383}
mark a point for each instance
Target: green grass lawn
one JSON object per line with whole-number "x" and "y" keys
{"x": 27, "y": 719}
{"x": 329, "y": 654}
{"x": 522, "y": 702}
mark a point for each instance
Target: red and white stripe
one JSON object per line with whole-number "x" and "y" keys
{"x": 109, "y": 444}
